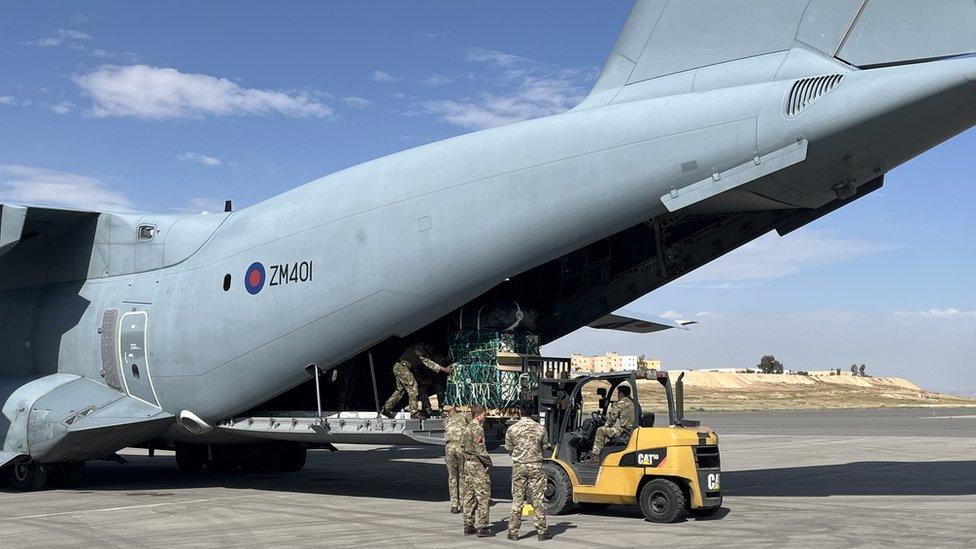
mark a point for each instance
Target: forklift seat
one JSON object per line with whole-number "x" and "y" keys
{"x": 616, "y": 444}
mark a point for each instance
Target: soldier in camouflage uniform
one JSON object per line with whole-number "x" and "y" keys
{"x": 620, "y": 420}
{"x": 526, "y": 441}
{"x": 415, "y": 357}
{"x": 475, "y": 480}
{"x": 454, "y": 427}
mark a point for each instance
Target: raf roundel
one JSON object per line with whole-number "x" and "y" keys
{"x": 254, "y": 278}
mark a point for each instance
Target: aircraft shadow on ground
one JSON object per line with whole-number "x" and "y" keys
{"x": 383, "y": 473}
{"x": 863, "y": 478}
{"x": 394, "y": 474}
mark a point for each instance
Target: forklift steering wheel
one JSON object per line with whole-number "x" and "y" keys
{"x": 596, "y": 414}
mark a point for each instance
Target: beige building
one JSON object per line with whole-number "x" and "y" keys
{"x": 612, "y": 362}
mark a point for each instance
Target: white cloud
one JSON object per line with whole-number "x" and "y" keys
{"x": 198, "y": 158}
{"x": 156, "y": 93}
{"x": 672, "y": 315}
{"x": 61, "y": 37}
{"x": 126, "y": 56}
{"x": 7, "y": 100}
{"x": 39, "y": 186}
{"x": 498, "y": 58}
{"x": 63, "y": 107}
{"x": 518, "y": 89}
{"x": 357, "y": 102}
{"x": 385, "y": 77}
{"x": 939, "y": 313}
{"x": 436, "y": 80}
{"x": 771, "y": 257}
{"x": 432, "y": 35}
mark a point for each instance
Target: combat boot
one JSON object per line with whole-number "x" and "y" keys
{"x": 469, "y": 530}
{"x": 544, "y": 536}
{"x": 455, "y": 510}
{"x": 513, "y": 536}
{"x": 485, "y": 533}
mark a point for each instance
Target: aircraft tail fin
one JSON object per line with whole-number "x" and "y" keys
{"x": 669, "y": 47}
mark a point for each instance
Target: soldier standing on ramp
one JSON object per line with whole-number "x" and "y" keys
{"x": 526, "y": 441}
{"x": 475, "y": 480}
{"x": 454, "y": 427}
{"x": 414, "y": 357}
{"x": 620, "y": 420}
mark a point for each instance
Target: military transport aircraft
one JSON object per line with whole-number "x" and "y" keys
{"x": 713, "y": 123}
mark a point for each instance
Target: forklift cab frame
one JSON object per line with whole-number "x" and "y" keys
{"x": 562, "y": 402}
{"x": 668, "y": 471}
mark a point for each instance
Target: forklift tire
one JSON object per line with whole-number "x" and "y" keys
{"x": 662, "y": 501}
{"x": 559, "y": 490}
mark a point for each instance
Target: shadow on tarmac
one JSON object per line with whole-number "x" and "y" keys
{"x": 393, "y": 474}
{"x": 864, "y": 478}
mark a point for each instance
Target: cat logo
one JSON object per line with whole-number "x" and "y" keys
{"x": 651, "y": 458}
{"x": 714, "y": 481}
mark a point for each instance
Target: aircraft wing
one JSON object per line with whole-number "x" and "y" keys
{"x": 636, "y": 322}
{"x": 19, "y": 222}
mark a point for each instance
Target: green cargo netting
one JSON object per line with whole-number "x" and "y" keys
{"x": 476, "y": 380}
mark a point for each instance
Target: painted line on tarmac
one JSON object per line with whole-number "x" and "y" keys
{"x": 122, "y": 508}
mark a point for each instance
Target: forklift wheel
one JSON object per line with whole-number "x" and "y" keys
{"x": 662, "y": 501}
{"x": 559, "y": 490}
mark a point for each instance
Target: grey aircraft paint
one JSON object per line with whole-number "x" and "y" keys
{"x": 713, "y": 122}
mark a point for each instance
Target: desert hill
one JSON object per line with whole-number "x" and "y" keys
{"x": 707, "y": 391}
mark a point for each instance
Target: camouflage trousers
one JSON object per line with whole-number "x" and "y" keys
{"x": 454, "y": 458}
{"x": 475, "y": 493}
{"x": 406, "y": 385}
{"x": 603, "y": 435}
{"x": 528, "y": 482}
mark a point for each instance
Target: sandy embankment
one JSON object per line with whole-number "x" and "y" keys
{"x": 726, "y": 391}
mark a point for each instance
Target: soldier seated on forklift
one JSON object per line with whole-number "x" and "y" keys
{"x": 620, "y": 423}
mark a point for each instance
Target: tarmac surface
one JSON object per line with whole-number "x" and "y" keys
{"x": 896, "y": 478}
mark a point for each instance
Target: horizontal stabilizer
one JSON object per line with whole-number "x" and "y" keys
{"x": 12, "y": 220}
{"x": 638, "y": 323}
{"x": 20, "y": 222}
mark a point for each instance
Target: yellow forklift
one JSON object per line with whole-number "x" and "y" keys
{"x": 669, "y": 471}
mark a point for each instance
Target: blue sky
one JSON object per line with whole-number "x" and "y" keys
{"x": 177, "y": 106}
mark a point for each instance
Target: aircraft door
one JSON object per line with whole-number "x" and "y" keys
{"x": 135, "y": 358}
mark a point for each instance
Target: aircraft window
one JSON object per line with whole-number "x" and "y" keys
{"x": 227, "y": 282}
{"x": 135, "y": 371}
{"x": 147, "y": 232}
